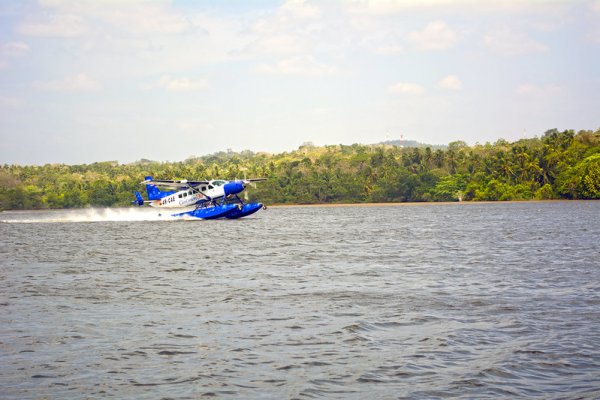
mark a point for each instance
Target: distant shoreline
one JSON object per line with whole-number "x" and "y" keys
{"x": 424, "y": 203}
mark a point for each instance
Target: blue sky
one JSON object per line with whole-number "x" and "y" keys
{"x": 85, "y": 81}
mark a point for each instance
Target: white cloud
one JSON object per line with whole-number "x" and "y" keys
{"x": 146, "y": 18}
{"x": 64, "y": 25}
{"x": 594, "y": 35}
{"x": 436, "y": 35}
{"x": 295, "y": 28}
{"x": 291, "y": 14}
{"x": 11, "y": 50}
{"x": 389, "y": 49}
{"x": 407, "y": 88}
{"x": 278, "y": 45}
{"x": 77, "y": 83}
{"x": 450, "y": 82}
{"x": 10, "y": 102}
{"x": 181, "y": 84}
{"x": 300, "y": 9}
{"x": 594, "y": 32}
{"x": 391, "y": 7}
{"x": 155, "y": 37}
{"x": 133, "y": 31}
{"x": 14, "y": 49}
{"x": 301, "y": 65}
{"x": 137, "y": 17}
{"x": 507, "y": 42}
{"x": 540, "y": 90}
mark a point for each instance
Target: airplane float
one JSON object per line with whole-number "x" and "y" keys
{"x": 210, "y": 199}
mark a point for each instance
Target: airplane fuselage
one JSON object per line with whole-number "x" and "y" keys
{"x": 189, "y": 197}
{"x": 184, "y": 198}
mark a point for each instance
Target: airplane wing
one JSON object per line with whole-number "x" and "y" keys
{"x": 176, "y": 184}
{"x": 255, "y": 180}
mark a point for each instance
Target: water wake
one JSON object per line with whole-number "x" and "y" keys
{"x": 85, "y": 215}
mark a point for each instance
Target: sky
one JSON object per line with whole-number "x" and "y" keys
{"x": 87, "y": 81}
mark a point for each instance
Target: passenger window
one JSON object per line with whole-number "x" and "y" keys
{"x": 210, "y": 186}
{"x": 185, "y": 194}
{"x": 179, "y": 195}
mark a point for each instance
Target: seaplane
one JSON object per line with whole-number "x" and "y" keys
{"x": 210, "y": 199}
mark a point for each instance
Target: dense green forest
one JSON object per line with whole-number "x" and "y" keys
{"x": 559, "y": 165}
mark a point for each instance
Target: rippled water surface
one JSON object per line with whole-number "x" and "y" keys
{"x": 420, "y": 301}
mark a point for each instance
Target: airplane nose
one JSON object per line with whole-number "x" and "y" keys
{"x": 233, "y": 188}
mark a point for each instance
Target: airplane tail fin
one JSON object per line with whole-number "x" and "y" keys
{"x": 139, "y": 200}
{"x": 154, "y": 193}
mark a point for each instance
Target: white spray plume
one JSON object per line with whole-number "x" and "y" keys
{"x": 86, "y": 215}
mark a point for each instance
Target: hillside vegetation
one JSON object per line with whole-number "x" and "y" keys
{"x": 559, "y": 165}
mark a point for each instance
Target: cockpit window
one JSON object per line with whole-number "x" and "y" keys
{"x": 218, "y": 183}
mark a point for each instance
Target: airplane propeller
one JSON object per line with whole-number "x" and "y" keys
{"x": 246, "y": 195}
{"x": 251, "y": 182}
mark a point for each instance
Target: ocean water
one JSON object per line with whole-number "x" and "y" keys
{"x": 498, "y": 300}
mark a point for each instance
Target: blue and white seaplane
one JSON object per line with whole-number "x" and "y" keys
{"x": 210, "y": 199}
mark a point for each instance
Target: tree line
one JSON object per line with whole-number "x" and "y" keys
{"x": 558, "y": 165}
